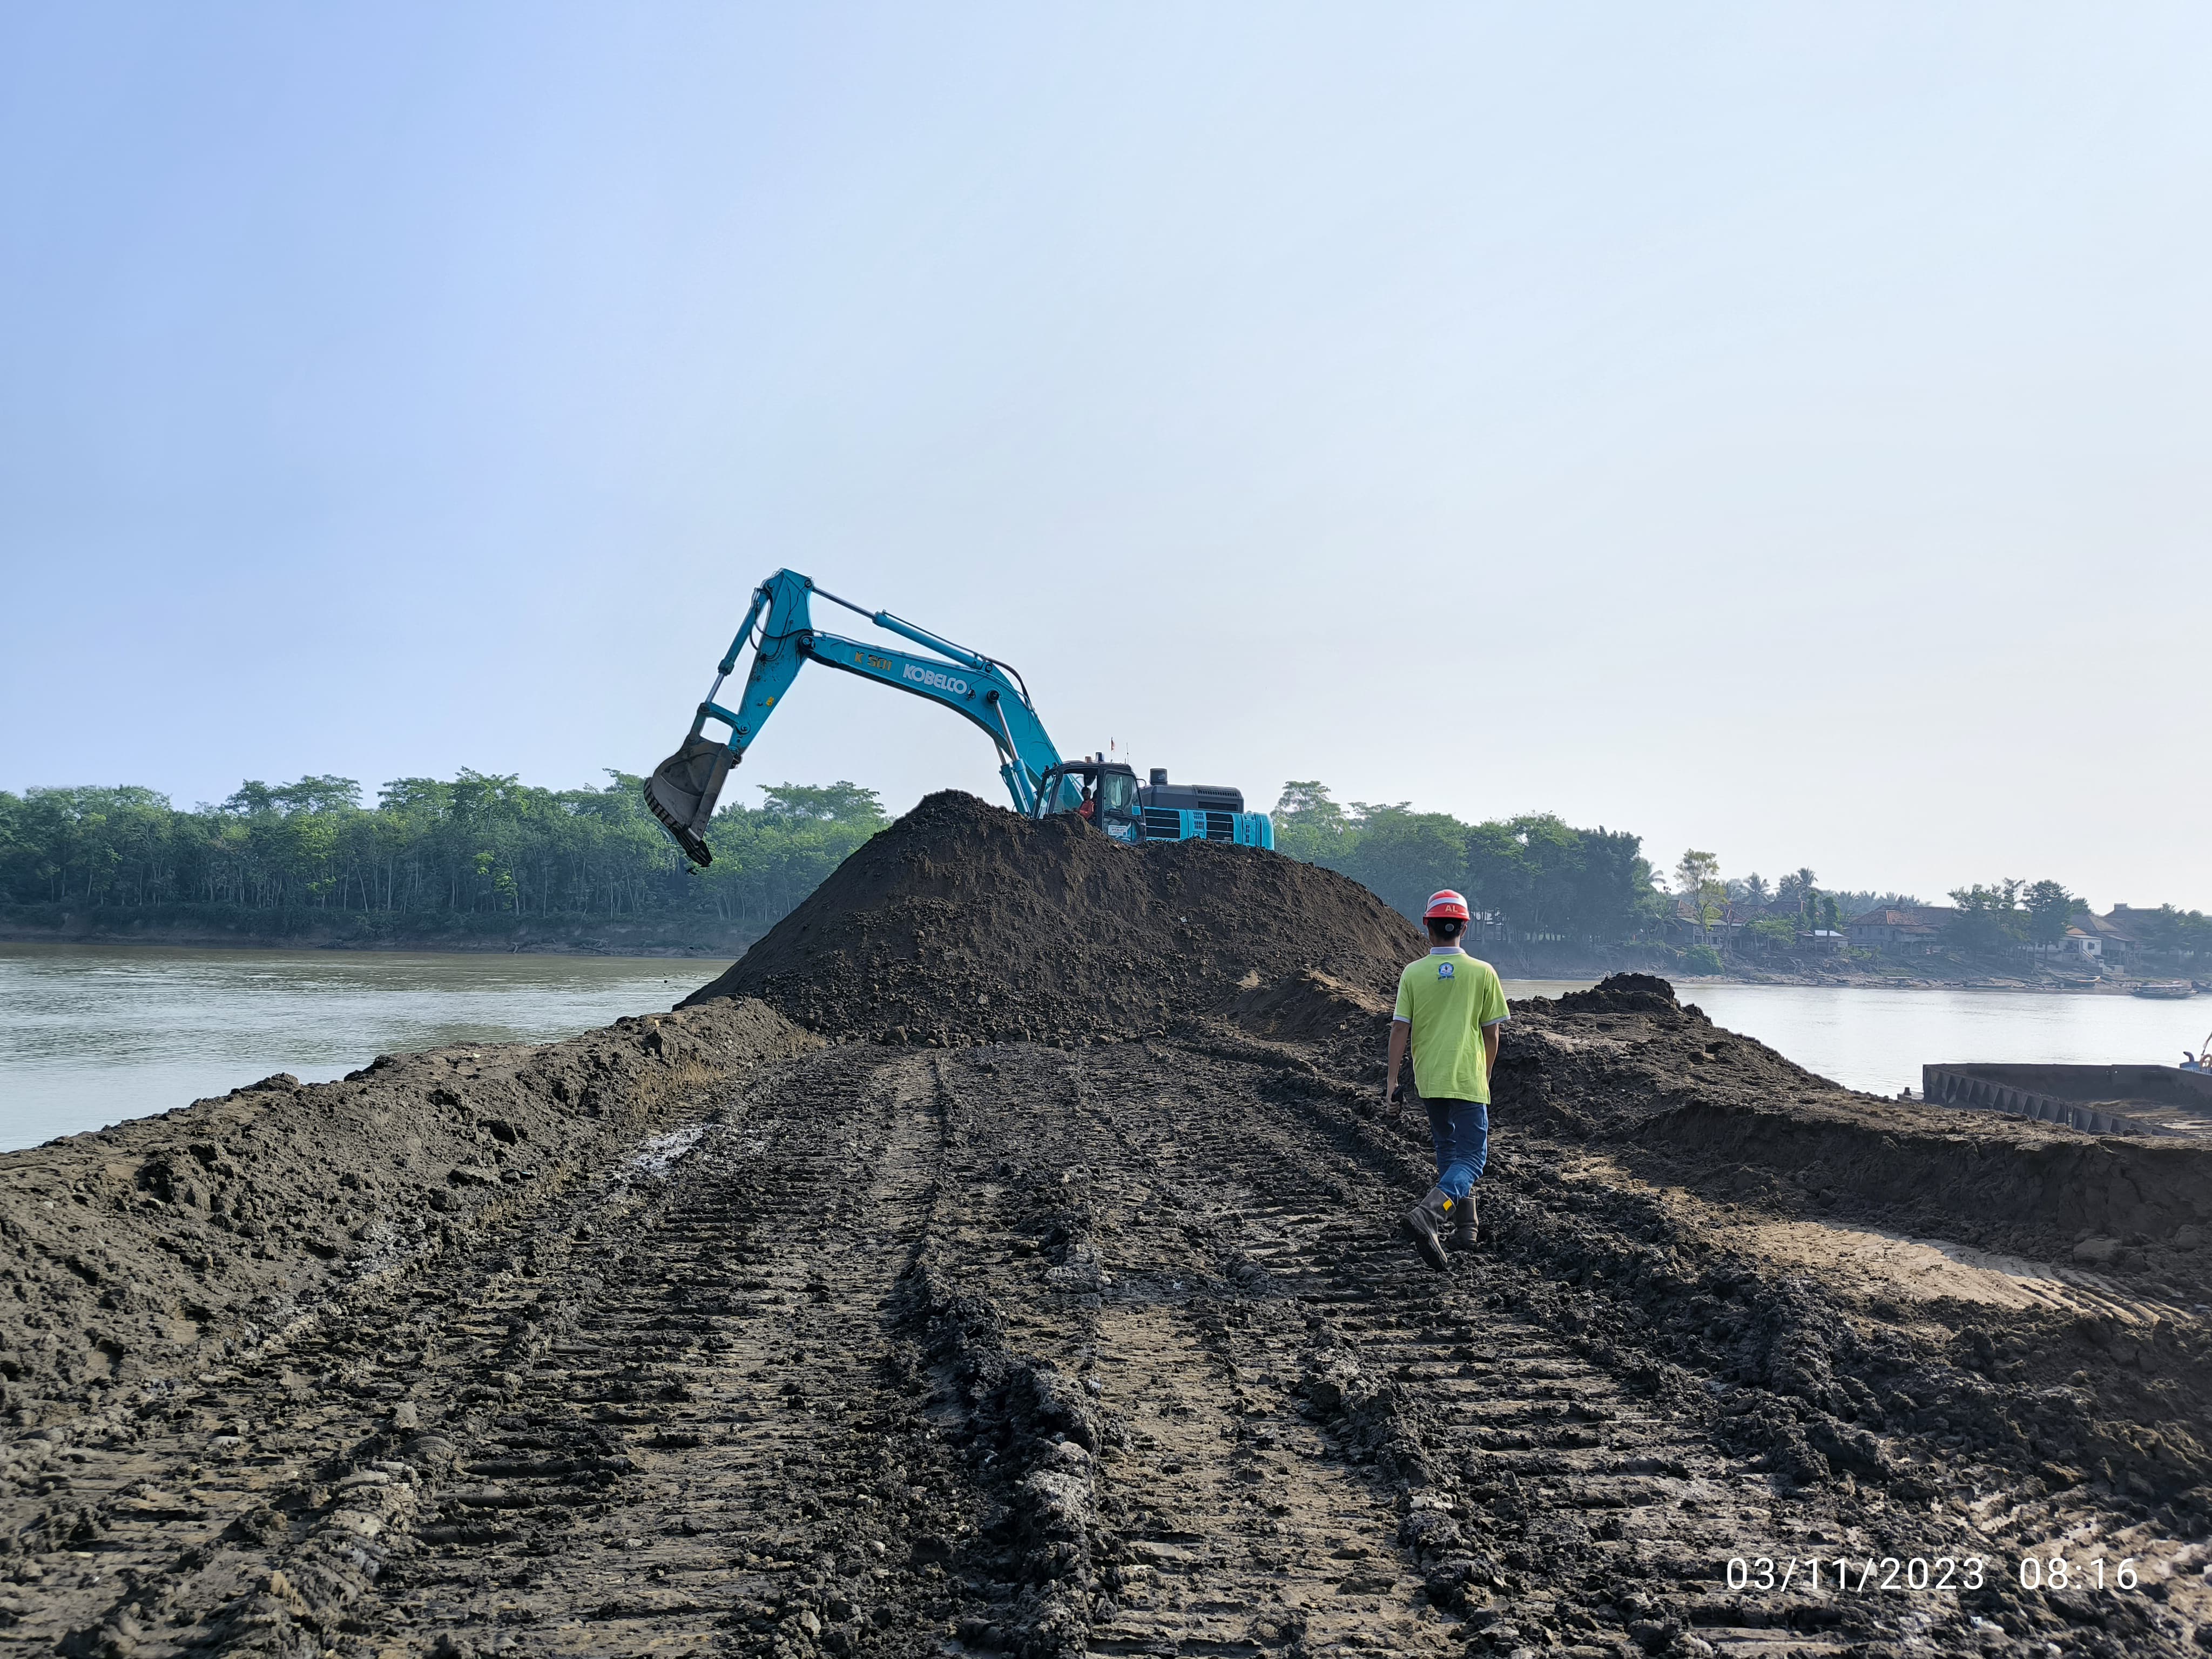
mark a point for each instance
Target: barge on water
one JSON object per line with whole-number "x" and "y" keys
{"x": 2099, "y": 1100}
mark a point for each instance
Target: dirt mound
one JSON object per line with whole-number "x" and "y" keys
{"x": 161, "y": 1245}
{"x": 1623, "y": 993}
{"x": 965, "y": 923}
{"x": 1624, "y": 1063}
{"x": 1312, "y": 1006}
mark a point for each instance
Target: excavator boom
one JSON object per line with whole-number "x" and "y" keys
{"x": 779, "y": 626}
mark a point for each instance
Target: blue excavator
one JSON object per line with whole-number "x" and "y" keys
{"x": 779, "y": 629}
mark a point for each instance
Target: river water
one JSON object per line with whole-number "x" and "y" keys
{"x": 92, "y": 1035}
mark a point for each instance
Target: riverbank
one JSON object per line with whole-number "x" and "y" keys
{"x": 1859, "y": 970}
{"x": 1963, "y": 978}
{"x": 217, "y": 927}
{"x": 191, "y": 926}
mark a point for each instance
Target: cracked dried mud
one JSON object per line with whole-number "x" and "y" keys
{"x": 741, "y": 1329}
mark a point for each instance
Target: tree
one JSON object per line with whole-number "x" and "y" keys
{"x": 252, "y": 796}
{"x": 1616, "y": 895}
{"x": 1773, "y": 933}
{"x": 2050, "y": 910}
{"x": 1553, "y": 857}
{"x": 1495, "y": 877}
{"x": 1404, "y": 855}
{"x": 1309, "y": 824}
{"x": 1790, "y": 893}
{"x": 2168, "y": 931}
{"x": 1698, "y": 880}
{"x": 841, "y": 802}
{"x": 1989, "y": 919}
{"x": 321, "y": 794}
{"x": 412, "y": 795}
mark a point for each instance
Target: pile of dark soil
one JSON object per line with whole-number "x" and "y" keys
{"x": 160, "y": 1246}
{"x": 965, "y": 923}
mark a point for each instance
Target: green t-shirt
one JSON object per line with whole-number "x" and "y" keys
{"x": 1450, "y": 998}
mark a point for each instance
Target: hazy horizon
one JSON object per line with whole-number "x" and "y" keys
{"x": 1777, "y": 431}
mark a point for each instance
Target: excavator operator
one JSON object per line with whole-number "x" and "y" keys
{"x": 1450, "y": 1007}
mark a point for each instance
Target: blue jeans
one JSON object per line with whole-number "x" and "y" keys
{"x": 1459, "y": 1132}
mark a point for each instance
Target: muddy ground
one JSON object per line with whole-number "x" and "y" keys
{"x": 788, "y": 1341}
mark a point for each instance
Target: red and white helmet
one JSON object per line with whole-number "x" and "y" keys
{"x": 1445, "y": 904}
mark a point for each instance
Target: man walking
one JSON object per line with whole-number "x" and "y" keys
{"x": 1450, "y": 1008}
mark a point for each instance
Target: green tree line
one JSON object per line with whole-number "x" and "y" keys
{"x": 479, "y": 844}
{"x": 1533, "y": 879}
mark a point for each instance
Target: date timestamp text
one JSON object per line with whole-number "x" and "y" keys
{"x": 1873, "y": 1575}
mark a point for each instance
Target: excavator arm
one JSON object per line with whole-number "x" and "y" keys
{"x": 779, "y": 627}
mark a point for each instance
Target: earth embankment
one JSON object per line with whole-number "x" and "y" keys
{"x": 909, "y": 1333}
{"x": 1626, "y": 1064}
{"x": 153, "y": 1248}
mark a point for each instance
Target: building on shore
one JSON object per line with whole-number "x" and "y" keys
{"x": 2115, "y": 941}
{"x": 1688, "y": 926}
{"x": 1924, "y": 930}
{"x": 1902, "y": 928}
{"x": 2090, "y": 938}
{"x": 2078, "y": 943}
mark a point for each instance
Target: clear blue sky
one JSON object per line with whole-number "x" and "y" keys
{"x": 1781, "y": 429}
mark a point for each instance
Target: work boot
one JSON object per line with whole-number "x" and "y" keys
{"x": 1423, "y": 1224}
{"x": 1463, "y": 1223}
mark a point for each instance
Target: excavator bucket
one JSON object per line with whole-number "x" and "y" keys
{"x": 683, "y": 790}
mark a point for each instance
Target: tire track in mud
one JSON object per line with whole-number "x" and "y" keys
{"x": 167, "y": 1530}
{"x": 687, "y": 1375}
{"x": 721, "y": 1446}
{"x": 1325, "y": 1443}
{"x": 1350, "y": 1354}
{"x": 1231, "y": 1523}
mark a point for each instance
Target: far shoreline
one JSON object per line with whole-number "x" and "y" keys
{"x": 376, "y": 948}
{"x": 1874, "y": 982}
{"x": 643, "y": 943}
{"x": 650, "y": 949}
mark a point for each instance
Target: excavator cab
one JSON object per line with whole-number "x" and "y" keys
{"x": 1098, "y": 791}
